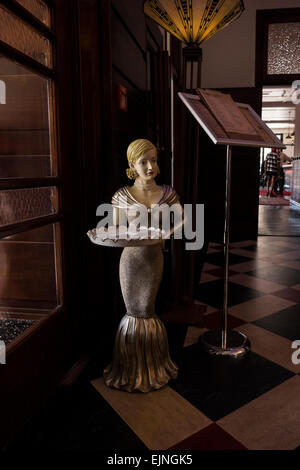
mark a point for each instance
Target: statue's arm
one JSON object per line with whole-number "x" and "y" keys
{"x": 116, "y": 216}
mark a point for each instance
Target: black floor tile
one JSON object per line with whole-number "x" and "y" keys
{"x": 77, "y": 418}
{"x": 218, "y": 259}
{"x": 218, "y": 386}
{"x": 211, "y": 293}
{"x": 284, "y": 323}
{"x": 279, "y": 274}
{"x": 176, "y": 336}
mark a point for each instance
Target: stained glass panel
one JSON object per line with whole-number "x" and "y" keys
{"x": 18, "y": 34}
{"x": 37, "y": 8}
{"x": 23, "y": 204}
{"x": 28, "y": 277}
{"x": 284, "y": 48}
{"x": 26, "y": 116}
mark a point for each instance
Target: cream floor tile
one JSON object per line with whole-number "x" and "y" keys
{"x": 160, "y": 418}
{"x": 290, "y": 264}
{"x": 289, "y": 255}
{"x": 193, "y": 334}
{"x": 271, "y": 421}
{"x": 285, "y": 244}
{"x": 255, "y": 283}
{"x": 270, "y": 259}
{"x": 271, "y": 346}
{"x": 260, "y": 307}
{"x": 288, "y": 244}
{"x": 249, "y": 266}
{"x": 206, "y": 277}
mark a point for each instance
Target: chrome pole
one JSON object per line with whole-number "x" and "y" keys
{"x": 226, "y": 246}
{"x": 224, "y": 342}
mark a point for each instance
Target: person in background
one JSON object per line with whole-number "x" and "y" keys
{"x": 272, "y": 168}
{"x": 280, "y": 179}
{"x": 284, "y": 158}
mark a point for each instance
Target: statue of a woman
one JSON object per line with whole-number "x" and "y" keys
{"x": 141, "y": 360}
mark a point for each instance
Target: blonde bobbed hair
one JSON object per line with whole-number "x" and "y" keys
{"x": 135, "y": 150}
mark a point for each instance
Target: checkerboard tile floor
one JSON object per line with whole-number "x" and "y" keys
{"x": 215, "y": 403}
{"x": 252, "y": 403}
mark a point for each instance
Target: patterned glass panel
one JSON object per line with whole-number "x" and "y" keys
{"x": 18, "y": 34}
{"x": 27, "y": 147}
{"x": 28, "y": 278}
{"x": 22, "y": 204}
{"x": 37, "y": 8}
{"x": 284, "y": 48}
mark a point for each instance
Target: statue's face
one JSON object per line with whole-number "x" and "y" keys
{"x": 146, "y": 166}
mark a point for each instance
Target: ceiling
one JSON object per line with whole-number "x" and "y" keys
{"x": 278, "y": 111}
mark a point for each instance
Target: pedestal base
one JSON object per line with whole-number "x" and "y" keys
{"x": 238, "y": 345}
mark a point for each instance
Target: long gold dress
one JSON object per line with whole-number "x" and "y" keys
{"x": 141, "y": 360}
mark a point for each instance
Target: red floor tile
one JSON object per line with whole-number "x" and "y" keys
{"x": 219, "y": 272}
{"x": 210, "y": 438}
{"x": 189, "y": 314}
{"x": 213, "y": 321}
{"x": 288, "y": 294}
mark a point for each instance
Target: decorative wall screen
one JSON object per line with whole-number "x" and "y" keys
{"x": 38, "y": 8}
{"x": 284, "y": 48}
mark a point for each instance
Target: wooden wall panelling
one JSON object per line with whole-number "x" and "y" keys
{"x": 31, "y": 373}
{"x": 156, "y": 34}
{"x": 131, "y": 17}
{"x": 93, "y": 49}
{"x": 128, "y": 55}
{"x": 128, "y": 59}
{"x": 163, "y": 109}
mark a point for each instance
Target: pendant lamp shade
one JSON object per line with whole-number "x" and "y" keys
{"x": 193, "y": 21}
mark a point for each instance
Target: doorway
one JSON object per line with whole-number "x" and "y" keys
{"x": 277, "y": 213}
{"x": 278, "y": 75}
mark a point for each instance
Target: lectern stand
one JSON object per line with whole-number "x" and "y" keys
{"x": 226, "y": 342}
{"x": 231, "y": 124}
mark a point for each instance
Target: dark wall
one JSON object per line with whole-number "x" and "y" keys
{"x": 244, "y": 182}
{"x": 129, "y": 69}
{"x": 126, "y": 36}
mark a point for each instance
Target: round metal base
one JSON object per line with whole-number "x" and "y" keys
{"x": 237, "y": 343}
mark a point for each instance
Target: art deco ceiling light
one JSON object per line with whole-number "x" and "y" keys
{"x": 193, "y": 21}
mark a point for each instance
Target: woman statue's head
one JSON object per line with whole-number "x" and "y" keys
{"x": 142, "y": 159}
